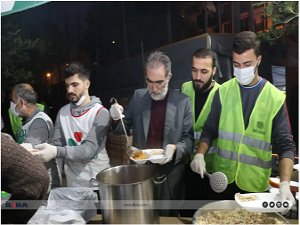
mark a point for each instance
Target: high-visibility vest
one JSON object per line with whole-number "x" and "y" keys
{"x": 188, "y": 89}
{"x": 245, "y": 154}
{"x": 16, "y": 121}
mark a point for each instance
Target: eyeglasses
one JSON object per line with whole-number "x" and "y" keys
{"x": 157, "y": 83}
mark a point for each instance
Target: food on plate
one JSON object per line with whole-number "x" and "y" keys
{"x": 246, "y": 198}
{"x": 156, "y": 152}
{"x": 139, "y": 155}
{"x": 236, "y": 216}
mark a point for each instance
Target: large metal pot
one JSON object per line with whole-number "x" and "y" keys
{"x": 229, "y": 205}
{"x": 127, "y": 194}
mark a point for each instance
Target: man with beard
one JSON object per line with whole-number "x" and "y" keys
{"x": 161, "y": 118}
{"x": 202, "y": 88}
{"x": 248, "y": 122}
{"x": 201, "y": 91}
{"x": 80, "y": 131}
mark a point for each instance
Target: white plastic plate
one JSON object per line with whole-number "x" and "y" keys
{"x": 155, "y": 156}
{"x": 262, "y": 202}
{"x": 296, "y": 167}
{"x": 275, "y": 182}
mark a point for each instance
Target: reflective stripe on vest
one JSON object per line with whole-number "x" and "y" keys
{"x": 244, "y": 155}
{"x": 256, "y": 143}
{"x": 241, "y": 158}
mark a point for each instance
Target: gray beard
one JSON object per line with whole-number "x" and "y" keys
{"x": 162, "y": 95}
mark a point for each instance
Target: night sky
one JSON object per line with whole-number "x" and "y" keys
{"x": 103, "y": 32}
{"x": 97, "y": 34}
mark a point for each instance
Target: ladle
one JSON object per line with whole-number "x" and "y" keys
{"x": 129, "y": 151}
{"x": 218, "y": 181}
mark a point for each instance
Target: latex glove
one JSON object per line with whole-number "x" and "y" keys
{"x": 116, "y": 111}
{"x": 46, "y": 153}
{"x": 285, "y": 192}
{"x": 169, "y": 152}
{"x": 198, "y": 164}
{"x": 27, "y": 146}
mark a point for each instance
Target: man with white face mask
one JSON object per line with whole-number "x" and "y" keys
{"x": 79, "y": 137}
{"x": 37, "y": 126}
{"x": 161, "y": 118}
{"x": 247, "y": 123}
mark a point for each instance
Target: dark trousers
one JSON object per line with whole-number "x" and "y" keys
{"x": 170, "y": 193}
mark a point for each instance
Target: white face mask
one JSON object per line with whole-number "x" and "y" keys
{"x": 81, "y": 100}
{"x": 244, "y": 76}
{"x": 13, "y": 109}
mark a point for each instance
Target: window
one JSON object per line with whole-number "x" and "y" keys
{"x": 278, "y": 75}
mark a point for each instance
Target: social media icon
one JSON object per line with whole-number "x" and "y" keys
{"x": 265, "y": 204}
{"x": 285, "y": 204}
{"x": 278, "y": 204}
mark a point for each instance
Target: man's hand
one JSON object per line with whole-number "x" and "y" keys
{"x": 198, "y": 164}
{"x": 46, "y": 153}
{"x": 285, "y": 192}
{"x": 116, "y": 111}
{"x": 169, "y": 152}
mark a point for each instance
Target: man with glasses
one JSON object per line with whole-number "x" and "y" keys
{"x": 161, "y": 118}
{"x": 248, "y": 122}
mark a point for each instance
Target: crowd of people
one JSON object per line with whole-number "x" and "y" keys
{"x": 233, "y": 128}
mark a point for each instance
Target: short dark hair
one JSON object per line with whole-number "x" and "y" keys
{"x": 205, "y": 53}
{"x": 26, "y": 92}
{"x": 76, "y": 68}
{"x": 246, "y": 40}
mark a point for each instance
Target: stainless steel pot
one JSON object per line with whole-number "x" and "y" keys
{"x": 127, "y": 194}
{"x": 228, "y": 205}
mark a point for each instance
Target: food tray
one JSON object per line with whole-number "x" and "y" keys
{"x": 154, "y": 156}
{"x": 228, "y": 205}
{"x": 262, "y": 202}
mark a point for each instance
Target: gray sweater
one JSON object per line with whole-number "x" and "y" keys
{"x": 94, "y": 141}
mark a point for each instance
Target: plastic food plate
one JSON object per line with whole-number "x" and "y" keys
{"x": 154, "y": 156}
{"x": 275, "y": 182}
{"x": 262, "y": 202}
{"x": 296, "y": 167}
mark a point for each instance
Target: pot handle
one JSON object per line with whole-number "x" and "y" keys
{"x": 159, "y": 179}
{"x": 94, "y": 182}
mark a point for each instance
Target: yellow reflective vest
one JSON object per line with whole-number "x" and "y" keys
{"x": 198, "y": 123}
{"x": 245, "y": 154}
